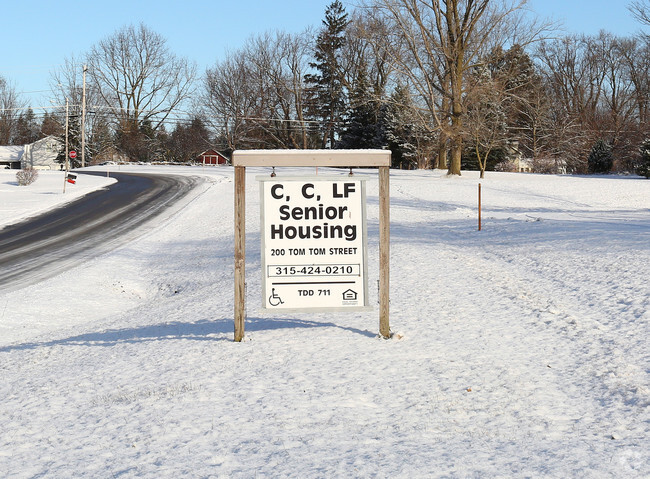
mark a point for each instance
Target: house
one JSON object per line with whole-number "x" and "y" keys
{"x": 10, "y": 157}
{"x": 523, "y": 165}
{"x": 41, "y": 154}
{"x": 515, "y": 155}
{"x": 212, "y": 157}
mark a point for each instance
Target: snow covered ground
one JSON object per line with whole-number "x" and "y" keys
{"x": 523, "y": 349}
{"x": 20, "y": 202}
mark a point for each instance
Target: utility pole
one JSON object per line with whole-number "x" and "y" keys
{"x": 83, "y": 119}
{"x": 67, "y": 122}
{"x": 67, "y": 165}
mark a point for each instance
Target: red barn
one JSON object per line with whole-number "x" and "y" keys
{"x": 212, "y": 157}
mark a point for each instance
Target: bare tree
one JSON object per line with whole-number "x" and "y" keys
{"x": 11, "y": 105}
{"x": 66, "y": 84}
{"x": 486, "y": 126}
{"x": 67, "y": 87}
{"x": 256, "y": 96}
{"x": 230, "y": 100}
{"x": 438, "y": 43}
{"x": 295, "y": 52}
{"x": 599, "y": 84}
{"x": 634, "y": 54}
{"x": 138, "y": 78}
{"x": 523, "y": 98}
{"x": 575, "y": 73}
{"x": 366, "y": 47}
{"x": 641, "y": 10}
{"x": 535, "y": 128}
{"x": 278, "y": 63}
{"x": 413, "y": 48}
{"x": 618, "y": 105}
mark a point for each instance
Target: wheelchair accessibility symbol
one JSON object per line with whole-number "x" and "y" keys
{"x": 274, "y": 299}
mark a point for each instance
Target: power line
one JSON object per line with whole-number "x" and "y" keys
{"x": 34, "y": 91}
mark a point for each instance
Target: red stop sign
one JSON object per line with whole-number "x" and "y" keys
{"x": 73, "y": 154}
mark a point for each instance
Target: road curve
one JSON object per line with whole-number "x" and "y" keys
{"x": 44, "y": 246}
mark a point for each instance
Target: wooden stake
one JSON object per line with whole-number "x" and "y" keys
{"x": 240, "y": 252}
{"x": 479, "y": 207}
{"x": 384, "y": 252}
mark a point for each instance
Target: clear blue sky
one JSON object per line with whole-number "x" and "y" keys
{"x": 589, "y": 16}
{"x": 37, "y": 35}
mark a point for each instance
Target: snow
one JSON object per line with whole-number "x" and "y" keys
{"x": 11, "y": 153}
{"x": 20, "y": 202}
{"x": 520, "y": 351}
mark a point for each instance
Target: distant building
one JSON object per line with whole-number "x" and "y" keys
{"x": 41, "y": 154}
{"x": 523, "y": 165}
{"x": 515, "y": 155}
{"x": 10, "y": 157}
{"x": 212, "y": 157}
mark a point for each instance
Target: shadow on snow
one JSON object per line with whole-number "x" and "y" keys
{"x": 205, "y": 330}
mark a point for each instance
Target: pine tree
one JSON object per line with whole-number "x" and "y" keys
{"x": 27, "y": 129}
{"x": 643, "y": 165}
{"x": 515, "y": 71}
{"x": 401, "y": 131}
{"x": 74, "y": 141}
{"x": 601, "y": 158}
{"x": 327, "y": 99}
{"x": 361, "y": 126}
{"x": 187, "y": 142}
{"x": 52, "y": 125}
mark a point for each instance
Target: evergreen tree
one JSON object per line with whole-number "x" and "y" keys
{"x": 129, "y": 140}
{"x": 326, "y": 93}
{"x": 601, "y": 158}
{"x": 401, "y": 132}
{"x": 139, "y": 141}
{"x": 74, "y": 141}
{"x": 361, "y": 127}
{"x": 643, "y": 165}
{"x": 52, "y": 125}
{"x": 187, "y": 142}
{"x": 515, "y": 72}
{"x": 27, "y": 129}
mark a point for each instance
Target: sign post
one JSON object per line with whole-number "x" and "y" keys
{"x": 240, "y": 251}
{"x": 384, "y": 251}
{"x": 67, "y": 177}
{"x": 339, "y": 209}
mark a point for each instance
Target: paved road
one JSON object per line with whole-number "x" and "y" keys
{"x": 44, "y": 246}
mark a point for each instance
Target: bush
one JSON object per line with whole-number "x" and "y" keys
{"x": 27, "y": 176}
{"x": 601, "y": 158}
{"x": 643, "y": 164}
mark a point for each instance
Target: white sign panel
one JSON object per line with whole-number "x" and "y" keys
{"x": 313, "y": 243}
